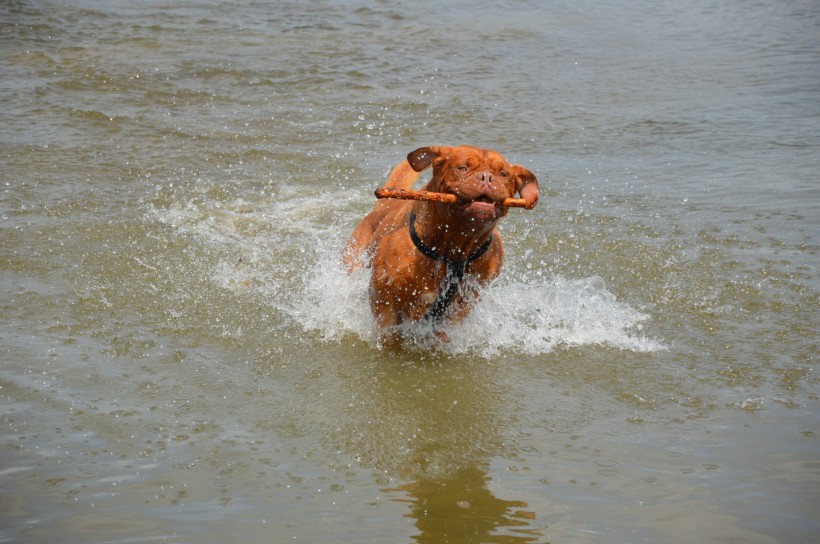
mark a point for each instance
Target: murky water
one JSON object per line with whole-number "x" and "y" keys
{"x": 183, "y": 358}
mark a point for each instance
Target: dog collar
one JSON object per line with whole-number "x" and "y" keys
{"x": 435, "y": 255}
{"x": 455, "y": 272}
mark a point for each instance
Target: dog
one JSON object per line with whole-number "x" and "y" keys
{"x": 429, "y": 259}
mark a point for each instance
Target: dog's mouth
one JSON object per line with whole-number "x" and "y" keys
{"x": 482, "y": 208}
{"x": 484, "y": 199}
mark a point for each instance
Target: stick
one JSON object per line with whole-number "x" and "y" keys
{"x": 409, "y": 194}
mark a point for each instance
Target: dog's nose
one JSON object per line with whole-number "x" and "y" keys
{"x": 486, "y": 177}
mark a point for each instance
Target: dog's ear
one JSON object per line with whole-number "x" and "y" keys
{"x": 527, "y": 186}
{"x": 423, "y": 157}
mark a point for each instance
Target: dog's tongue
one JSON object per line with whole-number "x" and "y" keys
{"x": 480, "y": 211}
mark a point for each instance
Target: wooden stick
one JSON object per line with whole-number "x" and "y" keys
{"x": 409, "y": 194}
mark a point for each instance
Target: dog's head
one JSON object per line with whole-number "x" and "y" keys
{"x": 480, "y": 178}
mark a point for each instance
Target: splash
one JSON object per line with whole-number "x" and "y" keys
{"x": 291, "y": 260}
{"x": 335, "y": 303}
{"x": 535, "y": 318}
{"x": 527, "y": 318}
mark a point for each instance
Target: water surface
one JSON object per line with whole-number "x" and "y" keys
{"x": 183, "y": 358}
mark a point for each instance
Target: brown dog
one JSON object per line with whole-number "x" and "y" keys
{"x": 421, "y": 252}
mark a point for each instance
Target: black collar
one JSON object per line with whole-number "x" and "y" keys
{"x": 455, "y": 272}
{"x": 436, "y": 256}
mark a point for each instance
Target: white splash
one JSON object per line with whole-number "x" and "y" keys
{"x": 535, "y": 318}
{"x": 510, "y": 317}
{"x": 335, "y": 303}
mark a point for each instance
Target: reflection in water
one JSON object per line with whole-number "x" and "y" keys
{"x": 460, "y": 508}
{"x": 434, "y": 423}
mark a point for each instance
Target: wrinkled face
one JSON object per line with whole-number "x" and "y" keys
{"x": 480, "y": 178}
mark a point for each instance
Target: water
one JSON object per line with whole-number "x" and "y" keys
{"x": 184, "y": 360}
